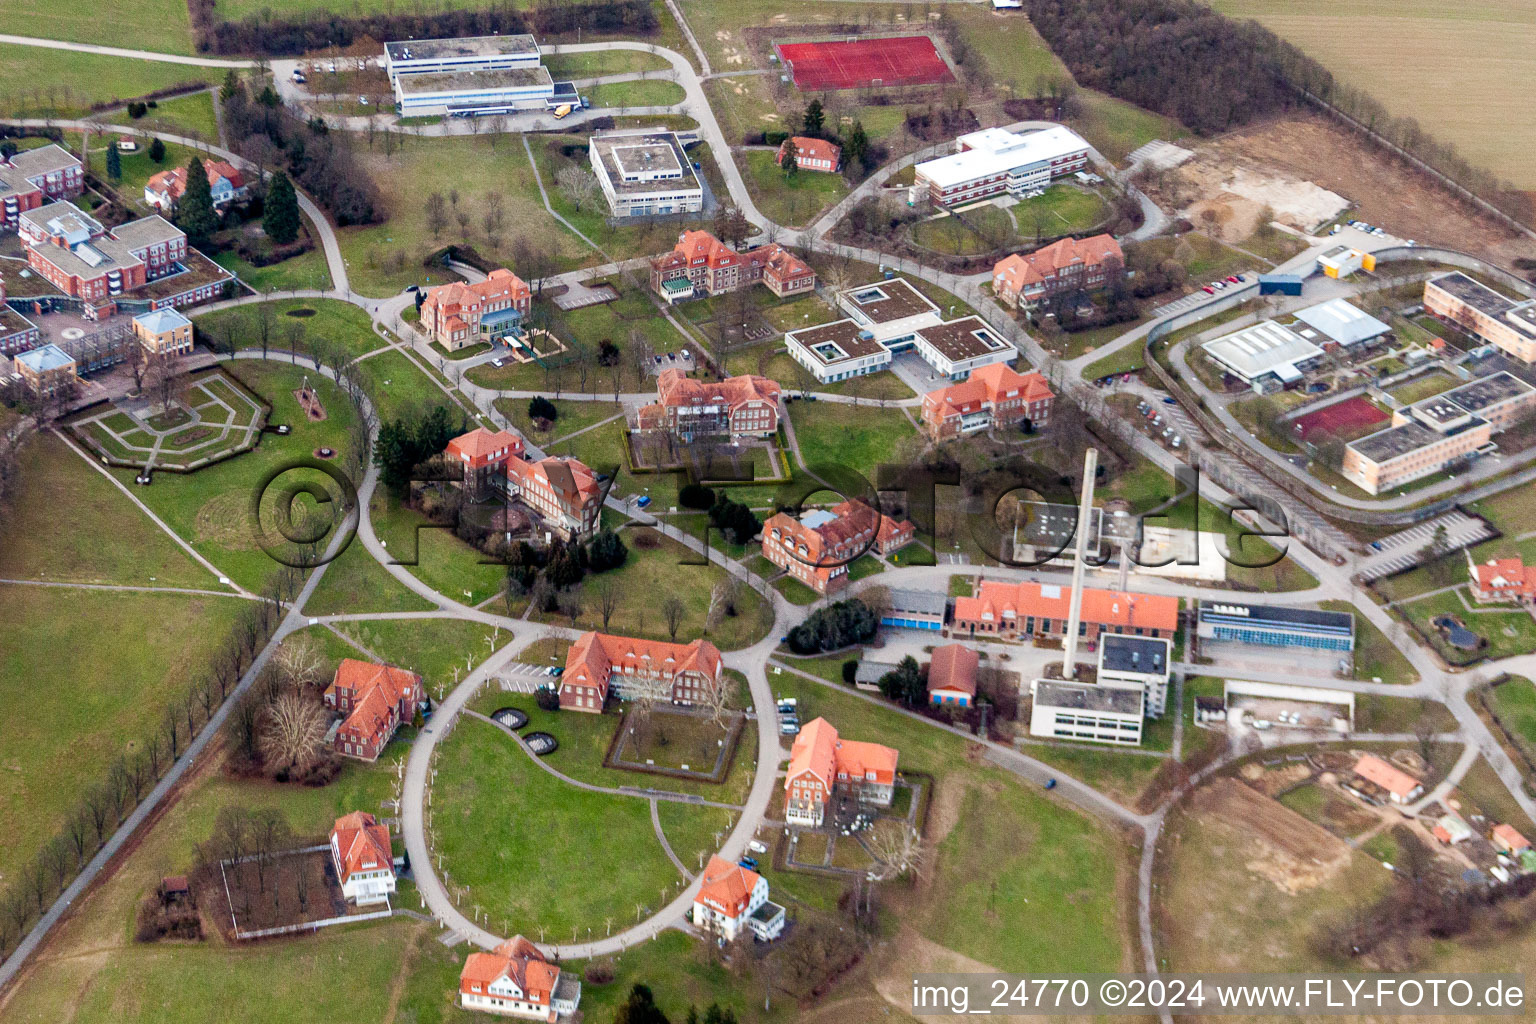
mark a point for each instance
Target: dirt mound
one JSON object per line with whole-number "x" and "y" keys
{"x": 1284, "y": 847}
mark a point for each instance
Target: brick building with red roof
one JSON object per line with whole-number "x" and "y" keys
{"x": 363, "y": 859}
{"x": 995, "y": 395}
{"x": 600, "y": 663}
{"x": 743, "y": 406}
{"x": 811, "y": 154}
{"x": 1072, "y": 264}
{"x": 821, "y": 762}
{"x": 952, "y": 675}
{"x": 459, "y": 314}
{"x": 817, "y": 548}
{"x": 516, "y": 979}
{"x": 484, "y": 454}
{"x": 562, "y": 490}
{"x": 1029, "y": 610}
{"x": 373, "y": 700}
{"x": 701, "y": 264}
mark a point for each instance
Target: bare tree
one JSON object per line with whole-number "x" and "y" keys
{"x": 718, "y": 700}
{"x": 298, "y": 661}
{"x": 578, "y": 185}
{"x": 900, "y": 852}
{"x": 437, "y": 214}
{"x": 292, "y": 732}
{"x": 571, "y": 603}
{"x": 609, "y": 596}
{"x": 673, "y": 611}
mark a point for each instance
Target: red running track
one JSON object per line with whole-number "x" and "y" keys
{"x": 904, "y": 60}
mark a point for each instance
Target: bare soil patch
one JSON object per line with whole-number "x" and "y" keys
{"x": 1309, "y": 148}
{"x": 1283, "y": 846}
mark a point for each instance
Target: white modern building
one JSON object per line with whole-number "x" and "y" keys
{"x": 1094, "y": 712}
{"x": 1343, "y": 323}
{"x": 474, "y": 53}
{"x": 645, "y": 173}
{"x": 1266, "y": 356}
{"x": 464, "y": 93}
{"x": 1138, "y": 661}
{"x": 996, "y": 160}
{"x": 890, "y": 317}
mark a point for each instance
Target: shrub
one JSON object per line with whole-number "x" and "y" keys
{"x": 541, "y": 408}
{"x": 547, "y": 699}
{"x": 696, "y": 496}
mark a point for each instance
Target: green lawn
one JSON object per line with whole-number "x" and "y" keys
{"x": 858, "y": 437}
{"x": 1515, "y": 704}
{"x": 691, "y": 831}
{"x": 35, "y": 81}
{"x": 137, "y": 168}
{"x": 39, "y": 544}
{"x": 439, "y": 650}
{"x": 210, "y": 508}
{"x": 397, "y": 386}
{"x": 190, "y": 116}
{"x": 304, "y": 272}
{"x": 1484, "y": 788}
{"x": 794, "y": 591}
{"x": 338, "y": 322}
{"x": 1374, "y": 713}
{"x": 356, "y": 582}
{"x": 792, "y": 201}
{"x": 1507, "y": 632}
{"x": 573, "y": 416}
{"x": 602, "y": 62}
{"x": 1020, "y": 879}
{"x": 647, "y": 93}
{"x": 128, "y": 655}
{"x": 1063, "y": 210}
{"x": 435, "y": 556}
{"x": 495, "y": 814}
{"x": 1375, "y": 656}
{"x": 647, "y": 575}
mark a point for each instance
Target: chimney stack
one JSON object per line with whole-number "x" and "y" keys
{"x": 1075, "y": 606}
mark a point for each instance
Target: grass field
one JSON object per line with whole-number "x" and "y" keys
{"x": 494, "y": 815}
{"x": 1375, "y": 655}
{"x": 1508, "y": 632}
{"x": 573, "y": 416}
{"x": 191, "y": 115}
{"x": 306, "y": 271}
{"x": 338, "y": 322}
{"x": 645, "y": 93}
{"x": 160, "y": 25}
{"x": 94, "y": 671}
{"x": 439, "y": 650}
{"x": 1515, "y": 704}
{"x": 602, "y": 62}
{"x": 1481, "y": 55}
{"x": 857, "y": 437}
{"x": 791, "y": 201}
{"x": 48, "y": 539}
{"x": 435, "y": 556}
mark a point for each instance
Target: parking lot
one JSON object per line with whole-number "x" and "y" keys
{"x": 1401, "y": 551}
{"x": 1247, "y": 286}
{"x": 521, "y": 678}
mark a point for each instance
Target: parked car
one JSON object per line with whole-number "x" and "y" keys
{"x": 1177, "y": 442}
{"x": 298, "y": 76}
{"x": 789, "y": 728}
{"x": 1209, "y": 290}
{"x": 789, "y": 702}
{"x": 757, "y": 847}
{"x": 1050, "y": 783}
{"x": 645, "y": 499}
{"x": 1233, "y": 279}
{"x": 1170, "y": 401}
{"x": 750, "y": 863}
{"x": 498, "y": 362}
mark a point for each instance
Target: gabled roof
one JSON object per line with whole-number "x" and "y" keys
{"x": 1394, "y": 780}
{"x": 1511, "y": 838}
{"x": 596, "y": 656}
{"x": 377, "y": 689}
{"x": 953, "y": 667}
{"x": 813, "y": 149}
{"x": 821, "y": 753}
{"x": 500, "y": 284}
{"x": 1021, "y": 270}
{"x": 986, "y": 386}
{"x": 727, "y": 886}
{"x": 569, "y": 478}
{"x": 173, "y": 182}
{"x": 674, "y": 387}
{"x": 1051, "y": 601}
{"x": 518, "y": 960}
{"x": 362, "y": 844}
{"x": 1504, "y": 574}
{"x": 481, "y": 443}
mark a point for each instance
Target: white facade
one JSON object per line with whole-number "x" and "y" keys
{"x": 645, "y": 173}
{"x": 503, "y": 998}
{"x": 712, "y": 917}
{"x": 486, "y": 92}
{"x": 996, "y": 160}
{"x": 833, "y": 358}
{"x": 1096, "y": 713}
{"x": 476, "y": 53}
{"x": 374, "y": 883}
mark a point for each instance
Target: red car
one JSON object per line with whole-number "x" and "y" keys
{"x": 1233, "y": 279}
{"x": 1209, "y": 290}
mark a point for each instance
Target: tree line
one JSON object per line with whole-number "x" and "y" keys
{"x": 318, "y": 31}
{"x": 102, "y": 805}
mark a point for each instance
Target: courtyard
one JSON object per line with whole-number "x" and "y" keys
{"x": 209, "y": 417}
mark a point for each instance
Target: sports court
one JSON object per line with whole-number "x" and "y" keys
{"x": 1347, "y": 419}
{"x": 862, "y": 63}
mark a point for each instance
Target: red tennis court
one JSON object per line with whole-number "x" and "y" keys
{"x": 860, "y": 63}
{"x": 1346, "y": 419}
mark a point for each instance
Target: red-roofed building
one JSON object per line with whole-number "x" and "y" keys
{"x": 732, "y": 897}
{"x": 817, "y": 548}
{"x": 373, "y": 700}
{"x": 165, "y": 189}
{"x": 1040, "y": 609}
{"x": 811, "y": 154}
{"x": 701, "y": 264}
{"x": 484, "y": 456}
{"x": 1507, "y": 839}
{"x": 562, "y": 490}
{"x": 1502, "y": 579}
{"x": 361, "y": 854}
{"x": 952, "y": 675}
{"x": 1071, "y": 264}
{"x": 1399, "y": 785}
{"x": 821, "y": 762}
{"x": 458, "y": 314}
{"x": 744, "y": 406}
{"x": 995, "y": 395}
{"x": 600, "y": 663}
{"x": 517, "y": 980}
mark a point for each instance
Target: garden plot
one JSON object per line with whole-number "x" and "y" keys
{"x": 209, "y": 418}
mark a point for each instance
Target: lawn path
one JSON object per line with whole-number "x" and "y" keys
{"x": 661, "y": 837}
{"x": 128, "y": 587}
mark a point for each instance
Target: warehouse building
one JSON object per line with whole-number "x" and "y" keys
{"x": 474, "y": 53}
{"x": 1094, "y": 712}
{"x": 1509, "y": 324}
{"x": 1276, "y": 626}
{"x": 1343, "y": 323}
{"x": 995, "y": 160}
{"x": 1266, "y": 356}
{"x": 645, "y": 173}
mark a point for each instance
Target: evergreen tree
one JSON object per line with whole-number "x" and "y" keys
{"x": 789, "y": 164}
{"x": 194, "y": 210}
{"x": 640, "y": 1008}
{"x": 280, "y": 219}
{"x": 230, "y": 87}
{"x": 814, "y": 121}
{"x": 541, "y": 408}
{"x": 905, "y": 683}
{"x": 856, "y": 146}
{"x": 114, "y": 162}
{"x": 157, "y": 151}
{"x": 606, "y": 551}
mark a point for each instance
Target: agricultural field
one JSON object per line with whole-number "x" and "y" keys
{"x": 1481, "y": 56}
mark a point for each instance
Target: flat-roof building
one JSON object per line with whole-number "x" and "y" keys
{"x": 472, "y": 53}
{"x": 914, "y": 609}
{"x": 645, "y": 173}
{"x": 1276, "y": 626}
{"x": 1265, "y": 356}
{"x": 1138, "y": 661}
{"x": 1509, "y": 324}
{"x": 996, "y": 160}
{"x": 1342, "y": 261}
{"x": 1094, "y": 712}
{"x": 434, "y": 93}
